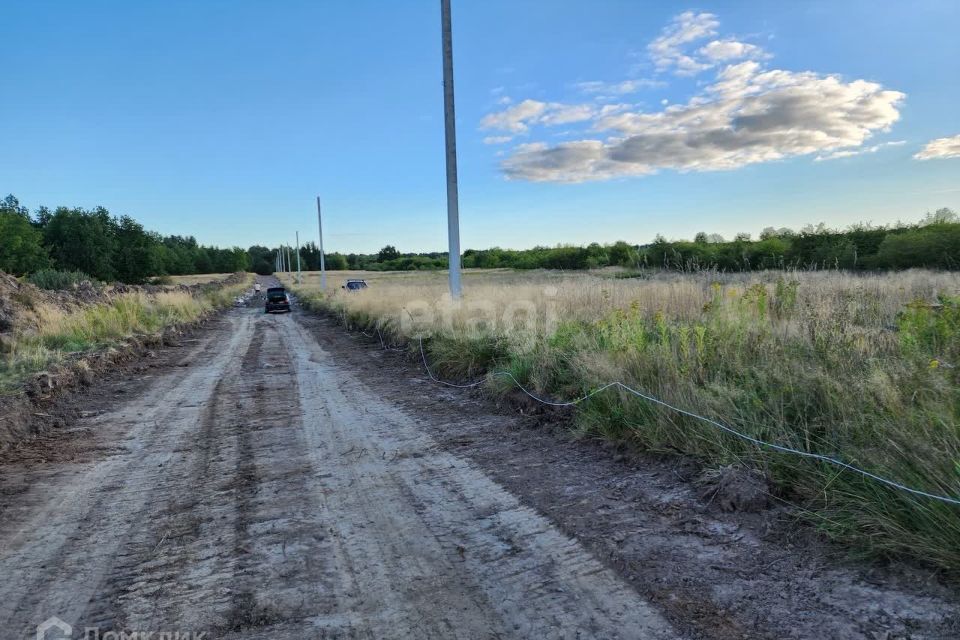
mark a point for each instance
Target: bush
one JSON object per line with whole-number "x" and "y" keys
{"x": 21, "y": 246}
{"x": 55, "y": 280}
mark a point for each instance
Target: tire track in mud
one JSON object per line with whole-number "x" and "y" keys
{"x": 223, "y": 574}
{"x": 266, "y": 492}
{"x": 62, "y": 556}
{"x": 435, "y": 547}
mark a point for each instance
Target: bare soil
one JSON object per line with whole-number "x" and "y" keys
{"x": 275, "y": 476}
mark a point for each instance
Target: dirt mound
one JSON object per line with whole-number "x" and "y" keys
{"x": 22, "y": 309}
{"x": 19, "y": 301}
{"x": 736, "y": 489}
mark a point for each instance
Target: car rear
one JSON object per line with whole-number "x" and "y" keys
{"x": 277, "y": 300}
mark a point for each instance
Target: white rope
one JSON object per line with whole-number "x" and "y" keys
{"x": 719, "y": 425}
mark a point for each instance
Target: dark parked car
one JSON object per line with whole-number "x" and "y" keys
{"x": 355, "y": 285}
{"x": 277, "y": 300}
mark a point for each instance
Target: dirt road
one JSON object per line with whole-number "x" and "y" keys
{"x": 276, "y": 477}
{"x": 264, "y": 491}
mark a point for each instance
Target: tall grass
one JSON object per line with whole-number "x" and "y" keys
{"x": 55, "y": 333}
{"x": 862, "y": 367}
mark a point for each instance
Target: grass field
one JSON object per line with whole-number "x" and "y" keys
{"x": 199, "y": 278}
{"x": 862, "y": 367}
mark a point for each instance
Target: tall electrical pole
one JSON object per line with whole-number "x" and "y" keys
{"x": 299, "y": 273}
{"x": 450, "y": 130}
{"x": 288, "y": 259}
{"x": 323, "y": 265}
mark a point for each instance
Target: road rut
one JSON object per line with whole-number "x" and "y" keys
{"x": 265, "y": 491}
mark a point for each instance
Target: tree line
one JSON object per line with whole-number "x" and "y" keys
{"x": 101, "y": 246}
{"x": 933, "y": 242}
{"x": 111, "y": 248}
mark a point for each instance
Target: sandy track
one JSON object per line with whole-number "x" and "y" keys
{"x": 265, "y": 491}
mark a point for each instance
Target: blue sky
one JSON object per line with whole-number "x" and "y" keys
{"x": 625, "y": 119}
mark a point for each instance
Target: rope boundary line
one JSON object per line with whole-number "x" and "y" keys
{"x": 726, "y": 428}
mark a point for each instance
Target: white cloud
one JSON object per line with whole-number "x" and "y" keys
{"x": 940, "y": 148}
{"x": 667, "y": 50}
{"x": 618, "y": 88}
{"x": 497, "y": 139}
{"x": 516, "y": 118}
{"x": 748, "y": 114}
{"x": 724, "y": 50}
{"x": 565, "y": 114}
{"x": 846, "y": 153}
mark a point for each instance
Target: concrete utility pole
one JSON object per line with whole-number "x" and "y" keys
{"x": 450, "y": 129}
{"x": 288, "y": 259}
{"x": 299, "y": 273}
{"x": 323, "y": 265}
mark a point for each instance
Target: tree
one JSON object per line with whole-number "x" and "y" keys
{"x": 335, "y": 261}
{"x": 310, "y": 257}
{"x": 701, "y": 237}
{"x": 135, "y": 259}
{"x": 80, "y": 240}
{"x": 942, "y": 215}
{"x": 10, "y": 204}
{"x": 389, "y": 252}
{"x": 261, "y": 260}
{"x": 21, "y": 245}
{"x": 622, "y": 254}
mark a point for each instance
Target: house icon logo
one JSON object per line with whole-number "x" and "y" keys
{"x": 54, "y": 629}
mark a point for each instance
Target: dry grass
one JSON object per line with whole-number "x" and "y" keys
{"x": 200, "y": 278}
{"x": 874, "y": 300}
{"x": 54, "y": 332}
{"x": 861, "y": 366}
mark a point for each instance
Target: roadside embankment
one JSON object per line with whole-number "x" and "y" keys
{"x": 51, "y": 341}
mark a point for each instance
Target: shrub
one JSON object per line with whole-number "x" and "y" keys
{"x": 56, "y": 280}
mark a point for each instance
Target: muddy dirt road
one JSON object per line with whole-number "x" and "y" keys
{"x": 277, "y": 478}
{"x": 264, "y": 491}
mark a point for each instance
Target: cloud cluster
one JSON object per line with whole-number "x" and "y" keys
{"x": 940, "y": 148}
{"x": 521, "y": 116}
{"x": 667, "y": 51}
{"x": 747, "y": 114}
